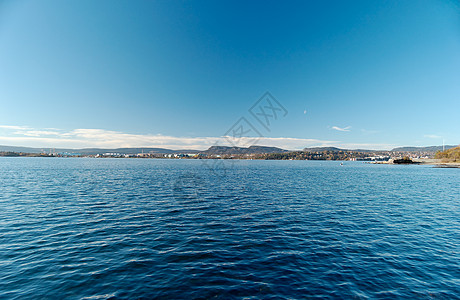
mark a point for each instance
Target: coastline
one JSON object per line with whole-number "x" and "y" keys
{"x": 438, "y": 163}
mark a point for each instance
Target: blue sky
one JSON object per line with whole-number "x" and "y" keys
{"x": 179, "y": 74}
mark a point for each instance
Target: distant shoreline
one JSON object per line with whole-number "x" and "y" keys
{"x": 438, "y": 163}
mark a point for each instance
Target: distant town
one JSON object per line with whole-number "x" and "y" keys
{"x": 224, "y": 152}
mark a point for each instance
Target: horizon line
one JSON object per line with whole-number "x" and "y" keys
{"x": 49, "y": 138}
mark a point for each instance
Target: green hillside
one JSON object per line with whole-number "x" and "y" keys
{"x": 450, "y": 154}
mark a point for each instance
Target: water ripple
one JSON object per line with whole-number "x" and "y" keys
{"x": 127, "y": 228}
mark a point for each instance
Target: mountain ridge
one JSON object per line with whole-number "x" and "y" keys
{"x": 94, "y": 151}
{"x": 213, "y": 150}
{"x": 422, "y": 149}
{"x": 243, "y": 150}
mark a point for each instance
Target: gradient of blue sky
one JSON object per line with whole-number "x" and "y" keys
{"x": 387, "y": 72}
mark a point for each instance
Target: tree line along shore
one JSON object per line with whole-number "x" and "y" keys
{"x": 448, "y": 156}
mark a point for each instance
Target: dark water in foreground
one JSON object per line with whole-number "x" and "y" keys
{"x": 171, "y": 229}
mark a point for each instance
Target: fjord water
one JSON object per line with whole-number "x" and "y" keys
{"x": 174, "y": 229}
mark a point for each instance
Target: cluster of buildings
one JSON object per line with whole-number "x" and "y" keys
{"x": 376, "y": 156}
{"x": 143, "y": 155}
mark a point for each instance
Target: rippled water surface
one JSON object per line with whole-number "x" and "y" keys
{"x": 173, "y": 229}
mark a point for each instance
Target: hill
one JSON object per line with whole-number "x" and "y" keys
{"x": 216, "y": 150}
{"x": 213, "y": 150}
{"x": 19, "y": 149}
{"x": 219, "y": 150}
{"x": 452, "y": 154}
{"x": 422, "y": 149}
{"x": 334, "y": 149}
{"x": 321, "y": 149}
{"x": 94, "y": 151}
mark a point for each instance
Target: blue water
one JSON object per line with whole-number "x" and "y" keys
{"x": 174, "y": 229}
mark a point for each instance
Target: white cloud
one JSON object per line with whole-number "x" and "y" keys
{"x": 280, "y": 142}
{"x": 364, "y": 146}
{"x": 100, "y": 138}
{"x": 37, "y": 132}
{"x": 432, "y": 136}
{"x": 14, "y": 127}
{"x": 341, "y": 129}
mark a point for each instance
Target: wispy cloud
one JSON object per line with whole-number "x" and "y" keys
{"x": 37, "y": 132}
{"x": 369, "y": 132}
{"x": 14, "y": 127}
{"x": 82, "y": 138}
{"x": 368, "y": 146}
{"x": 341, "y": 129}
{"x": 100, "y": 138}
{"x": 432, "y": 136}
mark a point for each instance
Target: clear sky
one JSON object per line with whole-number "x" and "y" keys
{"x": 179, "y": 74}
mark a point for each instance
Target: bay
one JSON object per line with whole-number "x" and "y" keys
{"x": 80, "y": 228}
